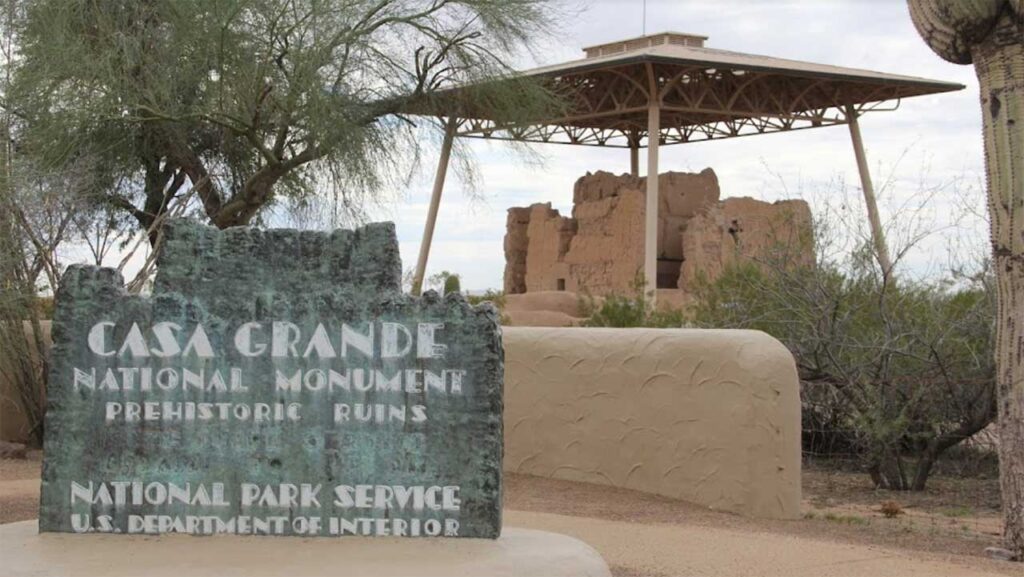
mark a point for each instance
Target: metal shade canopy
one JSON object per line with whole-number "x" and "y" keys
{"x": 669, "y": 84}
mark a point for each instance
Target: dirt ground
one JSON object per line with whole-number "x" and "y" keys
{"x": 843, "y": 534}
{"x": 942, "y": 531}
{"x": 963, "y": 511}
{"x": 19, "y": 488}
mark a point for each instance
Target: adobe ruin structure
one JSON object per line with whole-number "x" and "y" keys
{"x": 599, "y": 250}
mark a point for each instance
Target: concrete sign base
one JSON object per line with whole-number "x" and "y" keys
{"x": 517, "y": 552}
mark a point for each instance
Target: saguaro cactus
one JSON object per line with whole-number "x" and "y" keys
{"x": 990, "y": 35}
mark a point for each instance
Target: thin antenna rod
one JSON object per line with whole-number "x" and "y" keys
{"x": 643, "y": 27}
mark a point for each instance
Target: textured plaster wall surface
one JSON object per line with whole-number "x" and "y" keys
{"x": 707, "y": 416}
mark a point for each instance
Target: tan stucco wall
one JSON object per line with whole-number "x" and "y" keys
{"x": 707, "y": 416}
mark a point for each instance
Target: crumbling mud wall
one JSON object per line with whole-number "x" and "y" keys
{"x": 609, "y": 243}
{"x": 745, "y": 228}
{"x": 516, "y": 244}
{"x": 599, "y": 250}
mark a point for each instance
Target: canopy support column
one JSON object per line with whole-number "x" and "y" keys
{"x": 435, "y": 201}
{"x": 877, "y": 236}
{"x": 651, "y": 205}
{"x": 634, "y": 154}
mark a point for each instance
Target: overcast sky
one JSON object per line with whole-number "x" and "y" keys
{"x": 929, "y": 148}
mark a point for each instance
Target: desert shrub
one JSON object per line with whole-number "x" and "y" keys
{"x": 44, "y": 307}
{"x": 22, "y": 370}
{"x": 894, "y": 372}
{"x": 635, "y": 309}
{"x": 22, "y": 365}
{"x": 497, "y": 298}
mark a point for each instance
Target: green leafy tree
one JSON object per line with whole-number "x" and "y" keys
{"x": 242, "y": 102}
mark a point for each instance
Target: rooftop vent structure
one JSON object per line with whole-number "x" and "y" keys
{"x": 662, "y": 38}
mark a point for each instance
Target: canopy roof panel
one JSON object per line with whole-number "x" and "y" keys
{"x": 702, "y": 93}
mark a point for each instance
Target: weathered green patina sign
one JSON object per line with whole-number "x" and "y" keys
{"x": 276, "y": 382}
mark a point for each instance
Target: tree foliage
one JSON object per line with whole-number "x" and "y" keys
{"x": 242, "y": 102}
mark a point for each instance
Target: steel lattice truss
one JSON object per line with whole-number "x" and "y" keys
{"x": 609, "y": 106}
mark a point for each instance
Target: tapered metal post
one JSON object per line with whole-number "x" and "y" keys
{"x": 651, "y": 206}
{"x": 877, "y": 236}
{"x": 435, "y": 201}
